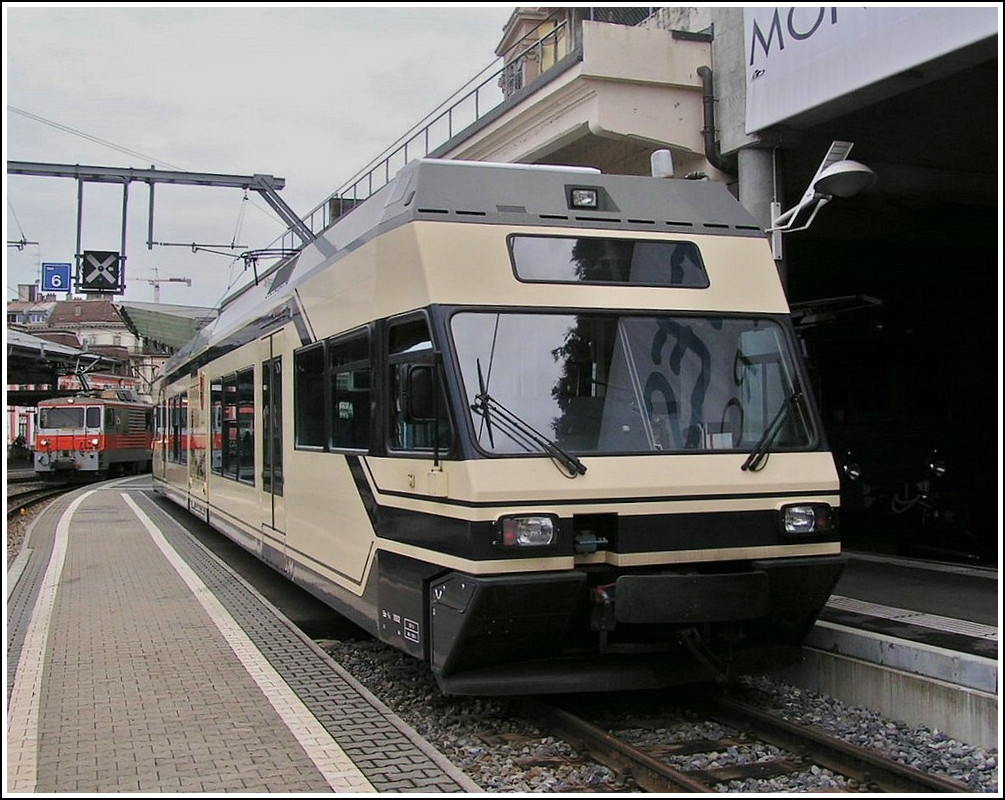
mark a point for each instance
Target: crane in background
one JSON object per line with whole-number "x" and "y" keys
{"x": 156, "y": 282}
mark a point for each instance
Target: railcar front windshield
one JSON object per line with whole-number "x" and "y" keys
{"x": 62, "y": 418}
{"x": 609, "y": 383}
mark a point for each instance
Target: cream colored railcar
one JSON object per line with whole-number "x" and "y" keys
{"x": 544, "y": 428}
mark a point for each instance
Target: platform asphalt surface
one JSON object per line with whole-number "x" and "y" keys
{"x": 138, "y": 661}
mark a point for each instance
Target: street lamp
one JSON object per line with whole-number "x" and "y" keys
{"x": 837, "y": 176}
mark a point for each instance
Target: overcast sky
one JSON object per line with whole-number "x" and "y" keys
{"x": 307, "y": 92}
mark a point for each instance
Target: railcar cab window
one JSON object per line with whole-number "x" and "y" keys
{"x": 623, "y": 384}
{"x": 585, "y": 259}
{"x": 335, "y": 375}
{"x": 418, "y": 407}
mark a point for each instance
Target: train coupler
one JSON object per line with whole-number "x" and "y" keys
{"x": 602, "y": 612}
{"x": 691, "y": 640}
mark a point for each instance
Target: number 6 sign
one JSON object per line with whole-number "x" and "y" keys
{"x": 55, "y": 277}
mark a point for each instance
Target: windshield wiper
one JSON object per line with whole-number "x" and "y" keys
{"x": 495, "y": 413}
{"x": 759, "y": 455}
{"x": 484, "y": 410}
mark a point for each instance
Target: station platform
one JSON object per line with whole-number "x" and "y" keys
{"x": 914, "y": 640}
{"x": 137, "y": 660}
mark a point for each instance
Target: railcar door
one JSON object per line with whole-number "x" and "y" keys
{"x": 197, "y": 441}
{"x": 274, "y": 509}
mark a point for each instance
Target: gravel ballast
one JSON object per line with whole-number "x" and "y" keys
{"x": 502, "y": 751}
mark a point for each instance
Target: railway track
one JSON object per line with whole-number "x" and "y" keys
{"x": 30, "y": 477}
{"x": 670, "y": 765}
{"x": 24, "y": 499}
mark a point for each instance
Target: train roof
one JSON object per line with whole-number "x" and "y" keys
{"x": 521, "y": 194}
{"x": 114, "y": 395}
{"x": 484, "y": 193}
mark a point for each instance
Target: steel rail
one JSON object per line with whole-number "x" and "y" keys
{"x": 868, "y": 766}
{"x": 649, "y": 773}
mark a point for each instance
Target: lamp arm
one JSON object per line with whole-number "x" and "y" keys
{"x": 822, "y": 200}
{"x": 784, "y": 221}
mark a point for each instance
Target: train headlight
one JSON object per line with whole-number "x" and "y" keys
{"x": 43, "y": 442}
{"x": 584, "y": 198}
{"x": 94, "y": 442}
{"x": 806, "y": 519}
{"x": 530, "y": 531}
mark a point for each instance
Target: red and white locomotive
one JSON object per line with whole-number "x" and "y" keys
{"x": 93, "y": 435}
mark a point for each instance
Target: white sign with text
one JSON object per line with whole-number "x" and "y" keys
{"x": 800, "y": 57}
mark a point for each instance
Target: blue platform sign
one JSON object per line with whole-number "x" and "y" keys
{"x": 56, "y": 278}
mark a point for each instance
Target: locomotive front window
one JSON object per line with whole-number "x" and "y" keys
{"x": 566, "y": 259}
{"x": 61, "y": 418}
{"x": 630, "y": 384}
{"x": 92, "y": 418}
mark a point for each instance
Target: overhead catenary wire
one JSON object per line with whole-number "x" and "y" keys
{"x": 246, "y": 200}
{"x": 90, "y": 138}
{"x": 240, "y": 219}
{"x": 113, "y": 146}
{"x": 17, "y": 222}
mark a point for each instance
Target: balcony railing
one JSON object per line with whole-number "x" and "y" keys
{"x": 536, "y": 54}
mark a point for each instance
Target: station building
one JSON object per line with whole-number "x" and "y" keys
{"x": 895, "y": 290}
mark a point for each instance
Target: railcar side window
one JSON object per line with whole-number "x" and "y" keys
{"x": 349, "y": 379}
{"x": 229, "y": 446}
{"x": 409, "y": 346}
{"x": 583, "y": 259}
{"x": 309, "y": 393}
{"x": 233, "y": 405}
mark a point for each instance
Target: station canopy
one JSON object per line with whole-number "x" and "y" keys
{"x": 168, "y": 325}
